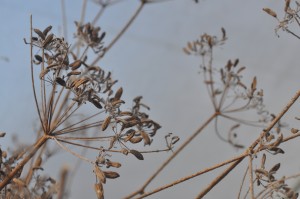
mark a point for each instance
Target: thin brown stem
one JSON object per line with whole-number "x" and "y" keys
{"x": 32, "y": 76}
{"x": 251, "y": 177}
{"x": 243, "y": 180}
{"x": 41, "y": 141}
{"x": 199, "y": 130}
{"x": 122, "y": 31}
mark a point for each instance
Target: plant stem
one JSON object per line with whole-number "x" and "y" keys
{"x": 141, "y": 190}
{"x": 40, "y": 142}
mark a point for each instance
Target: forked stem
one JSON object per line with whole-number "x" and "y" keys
{"x": 141, "y": 190}
{"x": 40, "y": 142}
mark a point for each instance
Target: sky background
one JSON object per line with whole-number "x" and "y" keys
{"x": 148, "y": 61}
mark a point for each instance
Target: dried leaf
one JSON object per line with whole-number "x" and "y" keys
{"x": 73, "y": 73}
{"x": 135, "y": 140}
{"x": 48, "y": 40}
{"x": 137, "y": 154}
{"x": 113, "y": 164}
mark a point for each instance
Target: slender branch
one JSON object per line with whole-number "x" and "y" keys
{"x": 141, "y": 190}
{"x": 251, "y": 177}
{"x": 127, "y": 25}
{"x": 41, "y": 141}
{"x": 241, "y": 187}
{"x": 218, "y": 179}
{"x": 32, "y": 76}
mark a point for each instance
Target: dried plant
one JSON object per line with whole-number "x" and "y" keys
{"x": 69, "y": 84}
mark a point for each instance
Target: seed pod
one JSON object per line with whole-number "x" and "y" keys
{"x": 73, "y": 73}
{"x": 253, "y": 85}
{"x": 99, "y": 190}
{"x": 274, "y": 168}
{"x": 270, "y": 12}
{"x": 44, "y": 72}
{"x": 2, "y": 134}
{"x": 38, "y": 162}
{"x": 100, "y": 174}
{"x": 146, "y": 138}
{"x": 129, "y": 134}
{"x": 19, "y": 182}
{"x": 263, "y": 161}
{"x": 223, "y": 33}
{"x": 294, "y": 131}
{"x": 113, "y": 164}
{"x": 45, "y": 32}
{"x": 186, "y": 51}
{"x": 96, "y": 103}
{"x": 38, "y": 57}
{"x": 76, "y": 64}
{"x": 114, "y": 103}
{"x": 39, "y": 33}
{"x": 48, "y": 40}
{"x": 137, "y": 154}
{"x": 135, "y": 140}
{"x": 118, "y": 94}
{"x": 60, "y": 81}
{"x": 105, "y": 123}
{"x": 111, "y": 174}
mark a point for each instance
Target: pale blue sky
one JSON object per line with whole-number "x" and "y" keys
{"x": 149, "y": 61}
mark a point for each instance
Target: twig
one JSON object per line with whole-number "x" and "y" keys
{"x": 141, "y": 190}
{"x": 127, "y": 25}
{"x": 251, "y": 177}
{"x": 241, "y": 187}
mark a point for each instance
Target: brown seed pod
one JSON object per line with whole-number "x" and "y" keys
{"x": 223, "y": 33}
{"x": 146, "y": 138}
{"x": 105, "y": 123}
{"x": 129, "y": 134}
{"x": 76, "y": 64}
{"x": 19, "y": 182}
{"x": 48, "y": 40}
{"x": 135, "y": 140}
{"x": 99, "y": 190}
{"x": 100, "y": 174}
{"x": 118, "y": 94}
{"x": 96, "y": 103}
{"x": 38, "y": 162}
{"x": 137, "y": 154}
{"x": 38, "y": 57}
{"x": 117, "y": 102}
{"x": 263, "y": 161}
{"x": 39, "y": 33}
{"x": 186, "y": 51}
{"x": 45, "y": 32}
{"x": 60, "y": 81}
{"x": 111, "y": 174}
{"x": 253, "y": 85}
{"x": 113, "y": 164}
{"x": 294, "y": 131}
{"x": 44, "y": 72}
{"x": 73, "y": 73}
{"x": 274, "y": 168}
{"x": 270, "y": 12}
